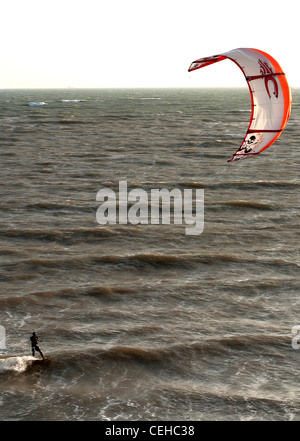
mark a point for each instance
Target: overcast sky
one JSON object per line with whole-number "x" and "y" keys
{"x": 140, "y": 43}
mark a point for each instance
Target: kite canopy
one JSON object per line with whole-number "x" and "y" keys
{"x": 270, "y": 97}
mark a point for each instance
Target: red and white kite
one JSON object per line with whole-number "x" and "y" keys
{"x": 270, "y": 97}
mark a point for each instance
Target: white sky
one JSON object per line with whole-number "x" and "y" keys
{"x": 140, "y": 43}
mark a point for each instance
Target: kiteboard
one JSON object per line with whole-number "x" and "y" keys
{"x": 41, "y": 361}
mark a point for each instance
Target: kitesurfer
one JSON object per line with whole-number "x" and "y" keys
{"x": 35, "y": 344}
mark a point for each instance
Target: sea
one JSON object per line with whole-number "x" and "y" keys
{"x": 141, "y": 321}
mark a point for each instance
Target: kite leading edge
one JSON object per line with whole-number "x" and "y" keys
{"x": 271, "y": 98}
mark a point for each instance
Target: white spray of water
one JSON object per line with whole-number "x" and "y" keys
{"x": 16, "y": 364}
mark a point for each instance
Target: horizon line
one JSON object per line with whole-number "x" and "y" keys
{"x": 128, "y": 87}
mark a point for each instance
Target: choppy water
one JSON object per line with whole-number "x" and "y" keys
{"x": 142, "y": 322}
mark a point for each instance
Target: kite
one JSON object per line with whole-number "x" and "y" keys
{"x": 270, "y": 93}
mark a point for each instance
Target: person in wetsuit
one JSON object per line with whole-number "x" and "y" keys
{"x": 35, "y": 344}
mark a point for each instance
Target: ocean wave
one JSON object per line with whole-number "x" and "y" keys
{"x": 68, "y": 206}
{"x": 37, "y": 104}
{"x": 175, "y": 356}
{"x": 15, "y": 364}
{"x": 57, "y": 235}
{"x": 106, "y": 293}
{"x": 217, "y": 183}
{"x": 271, "y": 344}
{"x": 33, "y": 266}
{"x": 208, "y": 346}
{"x": 244, "y": 404}
{"x": 249, "y": 204}
{"x": 242, "y": 184}
{"x": 70, "y": 121}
